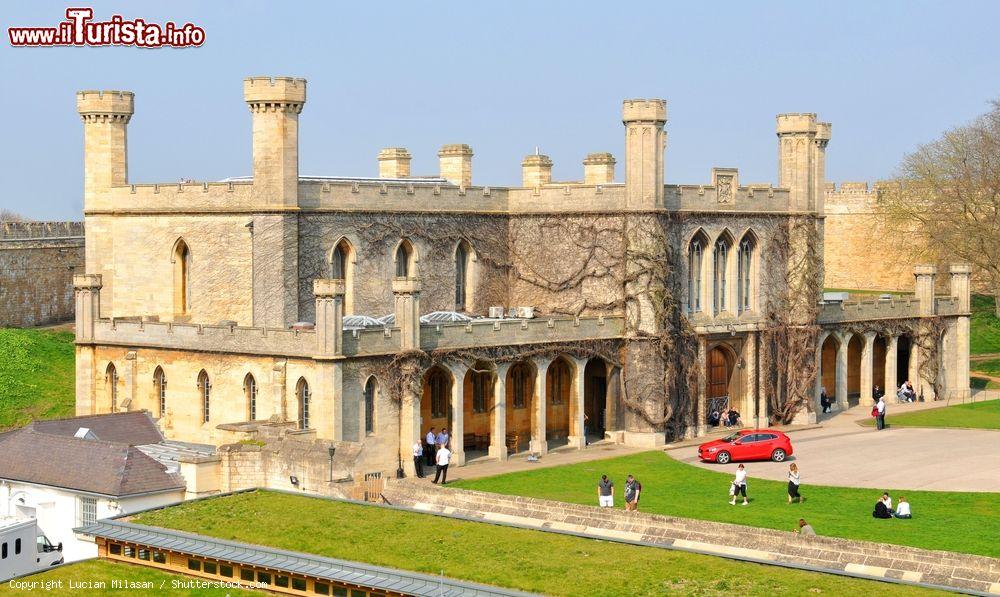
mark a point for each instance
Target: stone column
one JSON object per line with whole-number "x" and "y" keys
{"x": 498, "y": 436}
{"x": 818, "y": 386}
{"x": 577, "y": 435}
{"x": 914, "y": 366}
{"x": 867, "y": 365}
{"x": 407, "y": 294}
{"x": 458, "y": 371}
{"x": 409, "y": 428}
{"x": 539, "y": 443}
{"x": 87, "y": 290}
{"x": 130, "y": 382}
{"x": 702, "y": 406}
{"x": 329, "y": 317}
{"x": 750, "y": 375}
{"x": 960, "y": 279}
{"x": 841, "y": 391}
{"x": 925, "y": 275}
{"x": 891, "y": 364}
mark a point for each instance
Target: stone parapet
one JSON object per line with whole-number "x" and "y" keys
{"x": 897, "y": 307}
{"x": 11, "y": 231}
{"x": 856, "y": 558}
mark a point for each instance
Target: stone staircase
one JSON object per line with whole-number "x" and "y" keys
{"x": 857, "y": 558}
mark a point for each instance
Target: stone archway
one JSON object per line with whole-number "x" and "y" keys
{"x": 855, "y": 347}
{"x": 520, "y": 391}
{"x": 435, "y": 401}
{"x": 595, "y": 398}
{"x": 558, "y": 403}
{"x": 478, "y": 410}
{"x": 828, "y": 366}
{"x": 721, "y": 383}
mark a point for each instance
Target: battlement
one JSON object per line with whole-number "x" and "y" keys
{"x": 95, "y": 103}
{"x": 40, "y": 230}
{"x": 644, "y": 110}
{"x": 281, "y": 90}
{"x": 797, "y": 122}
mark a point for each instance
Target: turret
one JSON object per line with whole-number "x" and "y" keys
{"x": 105, "y": 117}
{"x": 536, "y": 170}
{"x": 456, "y": 164}
{"x": 802, "y": 159}
{"x": 644, "y": 143}
{"x": 924, "y": 290}
{"x": 275, "y": 104}
{"x": 394, "y": 162}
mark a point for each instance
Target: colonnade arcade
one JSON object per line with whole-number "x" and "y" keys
{"x": 493, "y": 410}
{"x": 850, "y": 364}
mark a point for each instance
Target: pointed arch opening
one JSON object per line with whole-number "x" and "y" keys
{"x": 520, "y": 391}
{"x": 558, "y": 392}
{"x": 696, "y": 262}
{"x": 746, "y": 273}
{"x": 205, "y": 393}
{"x": 720, "y": 272}
{"x": 465, "y": 258}
{"x": 181, "y": 261}
{"x": 111, "y": 386}
{"x": 160, "y": 391}
{"x": 371, "y": 391}
{"x": 405, "y": 259}
{"x": 303, "y": 395}
{"x": 341, "y": 267}
{"x": 250, "y": 396}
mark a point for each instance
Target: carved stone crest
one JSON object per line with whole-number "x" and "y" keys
{"x": 724, "y": 189}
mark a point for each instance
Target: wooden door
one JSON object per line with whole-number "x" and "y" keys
{"x": 718, "y": 374}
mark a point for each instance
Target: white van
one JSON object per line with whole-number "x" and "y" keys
{"x": 25, "y": 549}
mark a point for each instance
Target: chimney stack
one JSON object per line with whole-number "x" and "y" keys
{"x": 394, "y": 162}
{"x": 456, "y": 164}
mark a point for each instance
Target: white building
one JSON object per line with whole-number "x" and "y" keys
{"x": 71, "y": 472}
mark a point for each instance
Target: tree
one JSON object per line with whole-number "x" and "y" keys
{"x": 948, "y": 191}
{"x": 9, "y": 216}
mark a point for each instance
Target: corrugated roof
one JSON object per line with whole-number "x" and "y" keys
{"x": 430, "y": 318}
{"x": 342, "y": 571}
{"x": 357, "y": 322}
{"x": 93, "y": 466}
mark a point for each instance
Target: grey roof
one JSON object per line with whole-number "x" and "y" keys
{"x": 133, "y": 428}
{"x": 93, "y": 466}
{"x": 342, "y": 571}
{"x": 170, "y": 453}
{"x": 430, "y": 318}
{"x": 357, "y": 322}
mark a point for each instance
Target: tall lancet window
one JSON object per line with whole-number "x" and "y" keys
{"x": 694, "y": 275}
{"x": 721, "y": 263}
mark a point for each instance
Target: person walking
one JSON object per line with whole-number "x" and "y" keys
{"x": 632, "y": 490}
{"x": 793, "y": 483}
{"x": 606, "y": 492}
{"x": 443, "y": 457}
{"x": 429, "y": 442}
{"x": 880, "y": 413}
{"x": 418, "y": 459}
{"x": 740, "y": 486}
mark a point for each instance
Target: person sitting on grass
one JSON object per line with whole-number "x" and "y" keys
{"x": 804, "y": 528}
{"x": 903, "y": 508}
{"x": 881, "y": 510}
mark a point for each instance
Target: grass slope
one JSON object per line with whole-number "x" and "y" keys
{"x": 952, "y": 521}
{"x": 94, "y": 571}
{"x": 985, "y": 326}
{"x": 516, "y": 558}
{"x": 978, "y": 415}
{"x": 37, "y": 379}
{"x": 990, "y": 367}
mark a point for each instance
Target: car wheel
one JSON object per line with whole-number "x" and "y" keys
{"x": 778, "y": 455}
{"x": 722, "y": 458}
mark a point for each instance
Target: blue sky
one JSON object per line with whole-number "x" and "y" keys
{"x": 503, "y": 77}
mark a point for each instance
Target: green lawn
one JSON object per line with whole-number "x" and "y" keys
{"x": 990, "y": 367}
{"x": 37, "y": 379}
{"x": 952, "y": 521}
{"x": 103, "y": 571}
{"x": 979, "y": 415}
{"x": 985, "y": 332}
{"x": 516, "y": 558}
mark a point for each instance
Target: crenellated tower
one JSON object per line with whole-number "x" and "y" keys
{"x": 645, "y": 140}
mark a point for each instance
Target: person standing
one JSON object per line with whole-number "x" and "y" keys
{"x": 793, "y": 483}
{"x": 880, "y": 413}
{"x": 418, "y": 459}
{"x": 429, "y": 442}
{"x": 443, "y": 438}
{"x": 606, "y": 492}
{"x": 443, "y": 457}
{"x": 740, "y": 485}
{"x": 877, "y": 393}
{"x": 824, "y": 400}
{"x": 632, "y": 490}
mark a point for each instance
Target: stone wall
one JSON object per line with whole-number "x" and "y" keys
{"x": 37, "y": 263}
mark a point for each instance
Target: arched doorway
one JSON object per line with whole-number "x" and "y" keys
{"x": 904, "y": 348}
{"x": 558, "y": 390}
{"x": 719, "y": 381}
{"x": 878, "y": 363}
{"x": 435, "y": 401}
{"x": 477, "y": 410}
{"x": 520, "y": 388}
{"x": 854, "y": 348}
{"x": 828, "y": 367}
{"x": 595, "y": 398}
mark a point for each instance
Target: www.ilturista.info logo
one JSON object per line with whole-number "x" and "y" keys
{"x": 79, "y": 29}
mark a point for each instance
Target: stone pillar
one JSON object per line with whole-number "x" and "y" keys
{"x": 914, "y": 368}
{"x": 456, "y": 164}
{"x": 458, "y": 371}
{"x": 394, "y": 162}
{"x": 644, "y": 144}
{"x": 536, "y": 170}
{"x": 129, "y": 375}
{"x": 498, "y": 435}
{"x": 613, "y": 419}
{"x": 327, "y": 402}
{"x": 275, "y": 104}
{"x": 87, "y": 295}
{"x": 701, "y": 407}
{"x": 925, "y": 275}
{"x": 278, "y": 393}
{"x": 959, "y": 361}
{"x": 867, "y": 365}
{"x": 750, "y": 388}
{"x": 599, "y": 168}
{"x": 407, "y": 295}
{"x": 539, "y": 442}
{"x": 841, "y": 391}
{"x": 409, "y": 428}
{"x": 577, "y": 436}
{"x": 818, "y": 386}
{"x": 891, "y": 364}
{"x": 105, "y": 117}
{"x": 329, "y": 317}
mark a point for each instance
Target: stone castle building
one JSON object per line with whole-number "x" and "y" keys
{"x": 356, "y": 312}
{"x": 37, "y": 264}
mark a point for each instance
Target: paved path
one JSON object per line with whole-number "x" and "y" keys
{"x": 843, "y": 453}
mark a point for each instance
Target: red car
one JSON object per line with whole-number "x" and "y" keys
{"x": 747, "y": 444}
